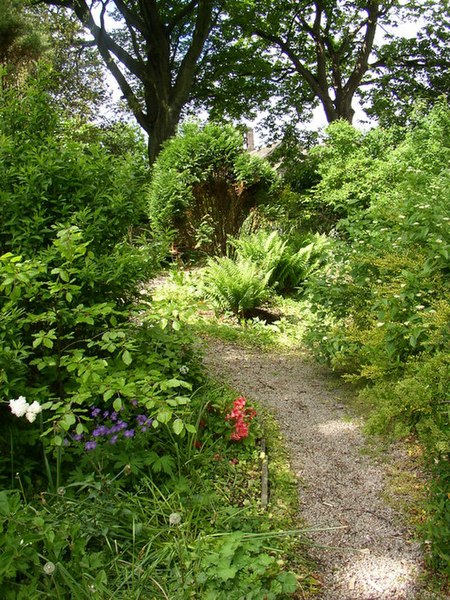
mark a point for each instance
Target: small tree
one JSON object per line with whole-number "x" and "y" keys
{"x": 204, "y": 186}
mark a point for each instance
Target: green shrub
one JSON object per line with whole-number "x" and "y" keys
{"x": 237, "y": 286}
{"x": 204, "y": 185}
{"x": 381, "y": 302}
{"x": 49, "y": 178}
{"x": 288, "y": 266}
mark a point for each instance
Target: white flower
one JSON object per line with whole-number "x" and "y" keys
{"x": 49, "y": 568}
{"x": 32, "y": 411}
{"x": 184, "y": 370}
{"x": 174, "y": 518}
{"x": 19, "y": 407}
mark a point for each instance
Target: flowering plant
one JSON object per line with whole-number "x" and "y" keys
{"x": 110, "y": 425}
{"x": 20, "y": 407}
{"x": 241, "y": 417}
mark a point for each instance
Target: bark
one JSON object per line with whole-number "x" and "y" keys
{"x": 149, "y": 59}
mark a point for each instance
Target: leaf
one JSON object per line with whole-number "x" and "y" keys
{"x": 67, "y": 421}
{"x": 226, "y": 572}
{"x": 178, "y": 426}
{"x": 126, "y": 357}
{"x": 107, "y": 395}
{"x": 164, "y": 415}
{"x": 117, "y": 404}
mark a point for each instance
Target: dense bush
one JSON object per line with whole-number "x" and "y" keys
{"x": 381, "y": 303}
{"x": 289, "y": 263}
{"x": 204, "y": 185}
{"x": 68, "y": 276}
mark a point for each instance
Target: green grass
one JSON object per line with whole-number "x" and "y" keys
{"x": 184, "y": 290}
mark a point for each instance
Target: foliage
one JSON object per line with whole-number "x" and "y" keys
{"x": 288, "y": 266}
{"x": 381, "y": 302}
{"x": 238, "y": 286}
{"x": 436, "y": 528}
{"x": 204, "y": 185}
{"x": 412, "y": 70}
{"x": 68, "y": 277}
{"x": 21, "y": 44}
{"x": 195, "y": 529}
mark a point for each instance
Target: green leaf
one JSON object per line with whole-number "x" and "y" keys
{"x": 190, "y": 428}
{"x": 178, "y": 426}
{"x": 107, "y": 395}
{"x": 67, "y": 421}
{"x": 117, "y": 404}
{"x": 126, "y": 357}
{"x": 226, "y": 572}
{"x": 164, "y": 415}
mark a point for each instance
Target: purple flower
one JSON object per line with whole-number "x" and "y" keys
{"x": 95, "y": 412}
{"x": 134, "y": 402}
{"x": 106, "y": 414}
{"x": 113, "y": 440}
{"x": 144, "y": 421}
{"x": 129, "y": 433}
{"x": 90, "y": 445}
{"x": 101, "y": 430}
{"x": 77, "y": 437}
{"x": 114, "y": 416}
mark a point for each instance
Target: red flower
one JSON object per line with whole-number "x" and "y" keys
{"x": 241, "y": 417}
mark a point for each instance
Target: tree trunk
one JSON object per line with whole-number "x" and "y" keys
{"x": 161, "y": 129}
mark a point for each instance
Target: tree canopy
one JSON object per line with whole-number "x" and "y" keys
{"x": 237, "y": 57}
{"x": 152, "y": 50}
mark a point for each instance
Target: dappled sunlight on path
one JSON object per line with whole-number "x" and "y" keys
{"x": 363, "y": 551}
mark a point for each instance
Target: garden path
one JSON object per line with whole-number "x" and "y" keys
{"x": 372, "y": 555}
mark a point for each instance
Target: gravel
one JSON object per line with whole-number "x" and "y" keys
{"x": 370, "y": 554}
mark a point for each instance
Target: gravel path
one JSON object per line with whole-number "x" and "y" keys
{"x": 372, "y": 556}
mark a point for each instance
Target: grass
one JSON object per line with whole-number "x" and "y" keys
{"x": 184, "y": 289}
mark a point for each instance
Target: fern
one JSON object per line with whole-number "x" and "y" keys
{"x": 238, "y": 286}
{"x": 271, "y": 253}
